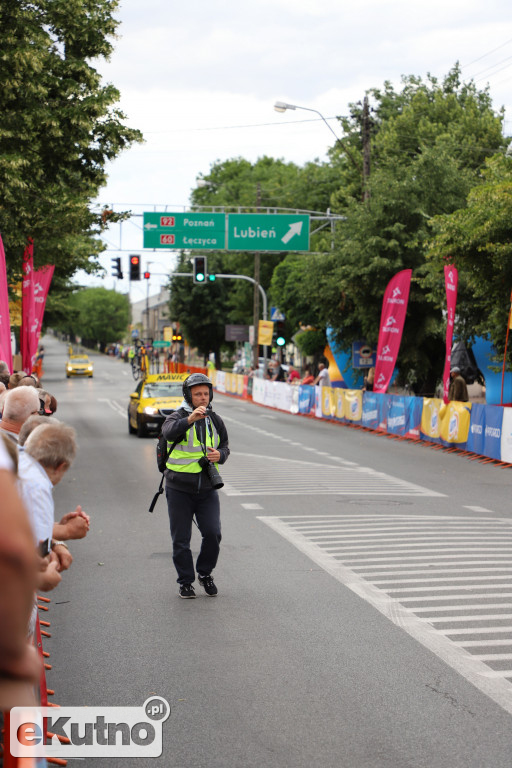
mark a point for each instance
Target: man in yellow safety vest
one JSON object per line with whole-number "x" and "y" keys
{"x": 199, "y": 442}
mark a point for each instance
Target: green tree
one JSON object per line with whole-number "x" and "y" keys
{"x": 60, "y": 126}
{"x": 267, "y": 184}
{"x": 477, "y": 239}
{"x": 98, "y": 316}
{"x": 428, "y": 146}
{"x": 200, "y": 309}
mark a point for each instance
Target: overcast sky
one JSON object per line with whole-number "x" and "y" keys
{"x": 200, "y": 79}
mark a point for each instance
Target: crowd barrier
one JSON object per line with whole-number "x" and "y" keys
{"x": 485, "y": 430}
{"x": 41, "y": 695}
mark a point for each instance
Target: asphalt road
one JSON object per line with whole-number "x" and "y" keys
{"x": 364, "y": 616}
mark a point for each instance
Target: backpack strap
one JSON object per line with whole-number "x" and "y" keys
{"x": 161, "y": 486}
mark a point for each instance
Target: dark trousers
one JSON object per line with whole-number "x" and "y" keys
{"x": 206, "y": 507}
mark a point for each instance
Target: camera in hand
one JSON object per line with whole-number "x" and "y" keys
{"x": 212, "y": 472}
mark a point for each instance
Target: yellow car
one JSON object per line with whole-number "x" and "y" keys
{"x": 79, "y": 365}
{"x": 154, "y": 399}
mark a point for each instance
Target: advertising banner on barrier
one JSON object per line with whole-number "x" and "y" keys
{"x": 353, "y": 404}
{"x": 451, "y": 280}
{"x": 371, "y": 411}
{"x": 430, "y": 418}
{"x": 414, "y": 412}
{"x": 339, "y": 411}
{"x": 318, "y": 402}
{"x": 454, "y": 423}
{"x": 282, "y": 396}
{"x": 506, "y": 434}
{"x": 476, "y": 429}
{"x": 392, "y": 319}
{"x": 396, "y": 423}
{"x": 258, "y": 390}
{"x": 493, "y": 444}
{"x": 221, "y": 381}
{"x": 306, "y": 398}
{"x": 328, "y": 402}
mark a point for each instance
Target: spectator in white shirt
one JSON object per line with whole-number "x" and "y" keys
{"x": 322, "y": 380}
{"x": 43, "y": 461}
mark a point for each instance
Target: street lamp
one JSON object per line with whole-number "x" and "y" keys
{"x": 282, "y": 106}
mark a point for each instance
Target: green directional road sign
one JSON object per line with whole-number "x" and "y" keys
{"x": 197, "y": 231}
{"x": 245, "y": 231}
{"x": 268, "y": 232}
{"x": 161, "y": 343}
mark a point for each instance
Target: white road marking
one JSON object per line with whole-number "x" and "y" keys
{"x": 114, "y": 405}
{"x": 447, "y": 608}
{"x": 479, "y": 509}
{"x": 251, "y": 506}
{"x": 273, "y": 435}
{"x": 468, "y": 657}
{"x": 250, "y": 474}
{"x": 478, "y": 631}
{"x": 474, "y": 617}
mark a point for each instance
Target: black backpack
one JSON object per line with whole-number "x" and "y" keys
{"x": 162, "y": 452}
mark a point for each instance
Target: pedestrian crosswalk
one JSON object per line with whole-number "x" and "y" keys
{"x": 249, "y": 474}
{"x": 447, "y": 581}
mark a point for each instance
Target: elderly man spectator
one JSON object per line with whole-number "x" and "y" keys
{"x": 29, "y": 380}
{"x": 47, "y": 455}
{"x": 19, "y": 404}
{"x": 458, "y": 389}
{"x": 29, "y": 425}
{"x": 322, "y": 379}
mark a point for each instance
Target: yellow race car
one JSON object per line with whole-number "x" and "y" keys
{"x": 79, "y": 365}
{"x": 154, "y": 399}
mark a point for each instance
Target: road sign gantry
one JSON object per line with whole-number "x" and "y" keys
{"x": 227, "y": 231}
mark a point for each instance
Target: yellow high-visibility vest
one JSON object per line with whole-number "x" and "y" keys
{"x": 186, "y": 454}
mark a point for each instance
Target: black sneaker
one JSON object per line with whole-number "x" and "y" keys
{"x": 187, "y": 591}
{"x": 208, "y": 585}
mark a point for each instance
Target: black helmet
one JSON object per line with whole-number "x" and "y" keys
{"x": 192, "y": 381}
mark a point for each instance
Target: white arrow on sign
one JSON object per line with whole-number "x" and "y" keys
{"x": 295, "y": 229}
{"x": 150, "y": 226}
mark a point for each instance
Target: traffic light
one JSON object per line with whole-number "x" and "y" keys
{"x": 147, "y": 275}
{"x": 116, "y": 268}
{"x": 279, "y": 333}
{"x": 134, "y": 267}
{"x": 212, "y": 278}
{"x": 199, "y": 269}
{"x": 176, "y": 335}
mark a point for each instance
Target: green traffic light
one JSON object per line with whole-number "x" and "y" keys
{"x": 199, "y": 277}
{"x": 280, "y": 341}
{"x": 211, "y": 278}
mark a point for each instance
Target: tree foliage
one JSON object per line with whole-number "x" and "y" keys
{"x": 98, "y": 316}
{"x": 267, "y": 184}
{"x": 478, "y": 240}
{"x": 60, "y": 125}
{"x": 429, "y": 142}
{"x": 200, "y": 309}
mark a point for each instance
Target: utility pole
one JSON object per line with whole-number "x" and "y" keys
{"x": 366, "y": 149}
{"x": 256, "y": 300}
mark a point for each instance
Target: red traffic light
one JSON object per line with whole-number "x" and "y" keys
{"x": 147, "y": 275}
{"x": 134, "y": 259}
